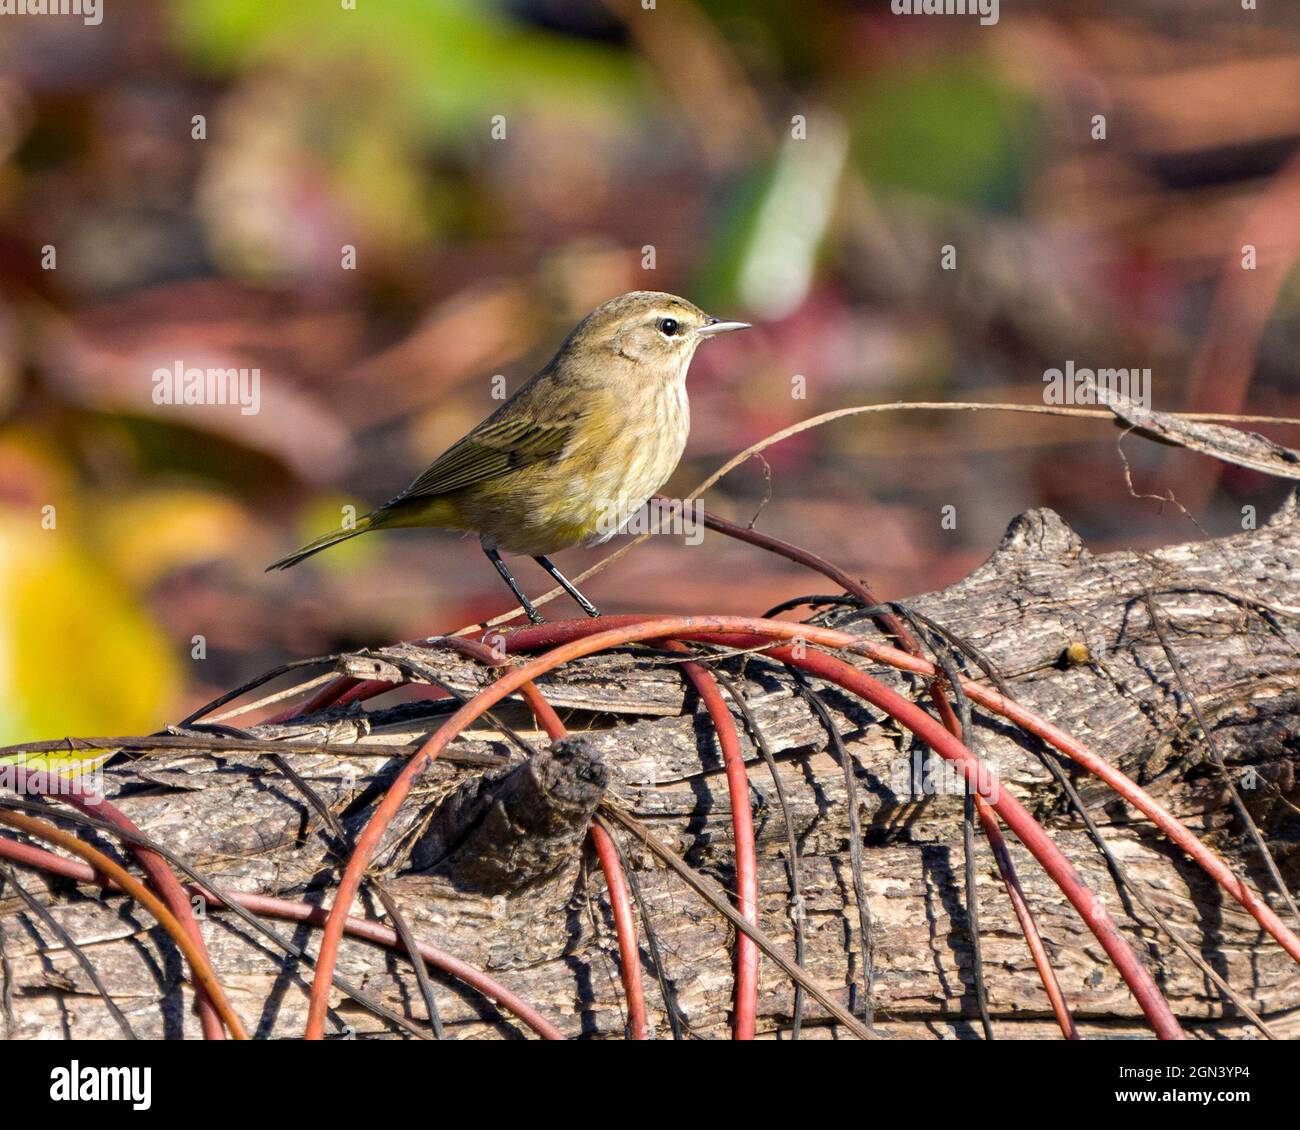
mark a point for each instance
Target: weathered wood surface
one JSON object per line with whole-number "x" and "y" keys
{"x": 536, "y": 917}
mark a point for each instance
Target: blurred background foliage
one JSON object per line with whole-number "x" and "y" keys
{"x": 133, "y": 535}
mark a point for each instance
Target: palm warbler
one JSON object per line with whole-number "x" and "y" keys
{"x": 574, "y": 453}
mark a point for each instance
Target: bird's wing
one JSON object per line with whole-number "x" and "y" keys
{"x": 492, "y": 449}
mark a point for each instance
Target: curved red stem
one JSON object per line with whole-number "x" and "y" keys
{"x": 347, "y": 689}
{"x": 39, "y": 859}
{"x": 1030, "y": 833}
{"x": 742, "y": 828}
{"x": 165, "y": 883}
{"x": 624, "y": 928}
{"x": 328, "y": 695}
{"x": 576, "y": 639}
{"x": 367, "y": 843}
{"x": 1017, "y": 818}
{"x": 606, "y": 851}
{"x": 736, "y": 635}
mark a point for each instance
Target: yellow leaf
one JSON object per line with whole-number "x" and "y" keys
{"x": 78, "y": 656}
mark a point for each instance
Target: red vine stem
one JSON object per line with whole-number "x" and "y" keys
{"x": 742, "y": 827}
{"x": 166, "y": 884}
{"x": 39, "y": 859}
{"x": 629, "y": 957}
{"x": 368, "y": 841}
{"x": 1030, "y": 833}
{"x": 328, "y": 695}
{"x": 345, "y": 690}
{"x": 990, "y": 699}
{"x": 620, "y": 903}
{"x": 908, "y": 642}
{"x": 1017, "y": 818}
{"x": 200, "y": 967}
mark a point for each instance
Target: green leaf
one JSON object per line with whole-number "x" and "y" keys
{"x": 444, "y": 57}
{"x": 948, "y": 130}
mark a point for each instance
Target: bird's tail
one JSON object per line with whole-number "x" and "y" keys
{"x": 323, "y": 542}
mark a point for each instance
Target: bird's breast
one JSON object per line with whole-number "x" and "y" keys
{"x": 635, "y": 456}
{"x": 624, "y": 454}
{"x": 644, "y": 452}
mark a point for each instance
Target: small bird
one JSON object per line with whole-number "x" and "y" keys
{"x": 574, "y": 453}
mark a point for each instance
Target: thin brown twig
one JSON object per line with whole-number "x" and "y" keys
{"x": 1216, "y": 756}
{"x": 1100, "y": 414}
{"x": 389, "y": 903}
{"x": 836, "y": 740}
{"x": 211, "y": 890}
{"x": 1124, "y": 885}
{"x": 199, "y": 965}
{"x": 188, "y": 742}
{"x": 712, "y": 894}
{"x": 39, "y": 910}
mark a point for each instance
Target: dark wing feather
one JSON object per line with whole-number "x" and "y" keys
{"x": 489, "y": 451}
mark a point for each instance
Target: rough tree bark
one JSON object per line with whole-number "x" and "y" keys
{"x": 490, "y": 862}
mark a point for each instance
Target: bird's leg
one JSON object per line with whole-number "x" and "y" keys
{"x": 583, "y": 603}
{"x": 524, "y": 602}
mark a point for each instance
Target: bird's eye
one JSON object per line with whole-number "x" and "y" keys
{"x": 668, "y": 326}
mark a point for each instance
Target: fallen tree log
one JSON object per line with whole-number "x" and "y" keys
{"x": 488, "y": 859}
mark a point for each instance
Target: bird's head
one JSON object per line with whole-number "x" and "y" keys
{"x": 647, "y": 327}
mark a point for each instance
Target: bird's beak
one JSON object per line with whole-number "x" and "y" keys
{"x": 715, "y": 326}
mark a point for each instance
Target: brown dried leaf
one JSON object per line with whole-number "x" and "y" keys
{"x": 1229, "y": 445}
